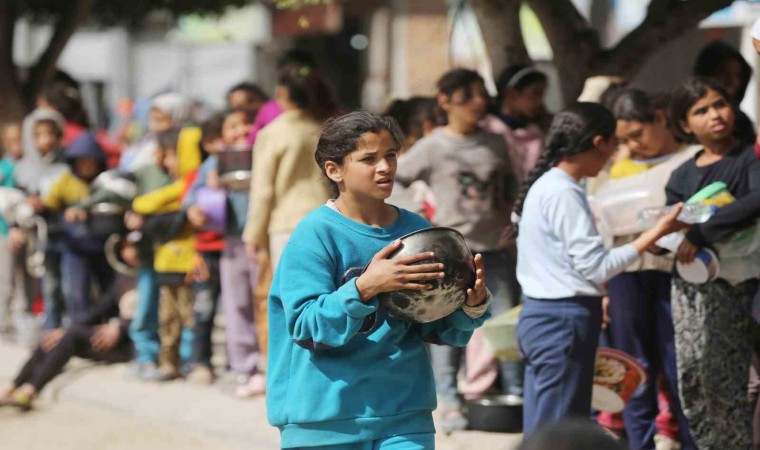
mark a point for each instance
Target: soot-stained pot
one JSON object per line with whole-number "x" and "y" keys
{"x": 448, "y": 293}
{"x": 495, "y": 413}
{"x": 106, "y": 219}
{"x": 235, "y": 169}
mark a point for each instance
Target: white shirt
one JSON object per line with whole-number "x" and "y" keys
{"x": 560, "y": 253}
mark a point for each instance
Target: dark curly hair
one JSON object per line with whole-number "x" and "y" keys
{"x": 341, "y": 136}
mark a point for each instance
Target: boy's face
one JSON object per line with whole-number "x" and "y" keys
{"x": 87, "y": 168}
{"x": 170, "y": 162}
{"x": 466, "y": 105}
{"x": 159, "y": 121}
{"x": 244, "y": 100}
{"x": 46, "y": 138}
{"x": 235, "y": 129}
{"x": 527, "y": 102}
{"x": 10, "y": 139}
{"x": 214, "y": 145}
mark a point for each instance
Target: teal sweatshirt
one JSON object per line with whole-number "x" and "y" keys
{"x": 339, "y": 370}
{"x": 6, "y": 180}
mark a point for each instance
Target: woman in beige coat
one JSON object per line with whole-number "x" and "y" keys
{"x": 287, "y": 183}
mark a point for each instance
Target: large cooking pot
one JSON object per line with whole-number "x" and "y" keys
{"x": 495, "y": 413}
{"x": 106, "y": 219}
{"x": 448, "y": 293}
{"x": 116, "y": 182}
{"x": 235, "y": 168}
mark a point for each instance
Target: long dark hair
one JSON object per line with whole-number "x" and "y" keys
{"x": 572, "y": 132}
{"x": 341, "y": 136}
{"x": 686, "y": 95}
{"x": 309, "y": 91}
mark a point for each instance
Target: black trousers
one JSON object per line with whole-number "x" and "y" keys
{"x": 205, "y": 303}
{"x": 43, "y": 366}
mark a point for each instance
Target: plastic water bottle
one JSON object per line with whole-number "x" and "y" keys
{"x": 691, "y": 213}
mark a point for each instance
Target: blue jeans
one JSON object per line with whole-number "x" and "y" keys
{"x": 558, "y": 340}
{"x": 421, "y": 441}
{"x": 502, "y": 282}
{"x": 641, "y": 324}
{"x": 78, "y": 271}
{"x": 144, "y": 327}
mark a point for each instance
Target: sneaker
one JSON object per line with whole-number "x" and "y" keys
{"x": 256, "y": 385}
{"x": 167, "y": 373}
{"x": 200, "y": 375}
{"x": 148, "y": 372}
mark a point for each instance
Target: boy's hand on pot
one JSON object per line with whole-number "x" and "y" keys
{"x": 477, "y": 294}
{"x": 687, "y": 252}
{"x": 133, "y": 221}
{"x": 388, "y": 275}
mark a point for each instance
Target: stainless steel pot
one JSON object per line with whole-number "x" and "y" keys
{"x": 495, "y": 413}
{"x": 112, "y": 245}
{"x": 235, "y": 169}
{"x": 106, "y": 219}
{"x": 448, "y": 293}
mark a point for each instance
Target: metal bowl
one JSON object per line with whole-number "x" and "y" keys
{"x": 448, "y": 293}
{"x": 106, "y": 219}
{"x": 495, "y": 413}
{"x": 238, "y": 180}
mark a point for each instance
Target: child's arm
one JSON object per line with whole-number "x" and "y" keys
{"x": 415, "y": 165}
{"x": 165, "y": 199}
{"x": 319, "y": 314}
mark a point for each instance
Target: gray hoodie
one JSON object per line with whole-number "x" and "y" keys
{"x": 33, "y": 169}
{"x": 472, "y": 181}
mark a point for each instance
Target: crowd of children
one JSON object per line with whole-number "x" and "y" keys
{"x": 282, "y": 214}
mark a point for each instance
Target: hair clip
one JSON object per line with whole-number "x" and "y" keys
{"x": 304, "y": 71}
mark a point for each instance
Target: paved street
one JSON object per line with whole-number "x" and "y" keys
{"x": 95, "y": 407}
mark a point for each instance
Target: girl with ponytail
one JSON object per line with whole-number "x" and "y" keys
{"x": 563, "y": 265}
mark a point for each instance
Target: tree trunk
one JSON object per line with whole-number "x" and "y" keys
{"x": 499, "y": 22}
{"x": 12, "y": 107}
{"x": 45, "y": 66}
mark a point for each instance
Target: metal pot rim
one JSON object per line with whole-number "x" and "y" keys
{"x": 107, "y": 209}
{"x": 496, "y": 400}
{"x": 423, "y": 230}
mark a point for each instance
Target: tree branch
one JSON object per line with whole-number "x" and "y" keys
{"x": 665, "y": 20}
{"x": 13, "y": 106}
{"x": 65, "y": 27}
{"x": 499, "y": 22}
{"x": 564, "y": 25}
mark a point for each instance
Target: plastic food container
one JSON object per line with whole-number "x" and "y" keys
{"x": 617, "y": 375}
{"x": 704, "y": 268}
{"x": 501, "y": 334}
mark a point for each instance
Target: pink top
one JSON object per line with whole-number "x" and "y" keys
{"x": 268, "y": 112}
{"x": 524, "y": 145}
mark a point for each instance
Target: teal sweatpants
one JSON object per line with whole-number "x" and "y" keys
{"x": 421, "y": 441}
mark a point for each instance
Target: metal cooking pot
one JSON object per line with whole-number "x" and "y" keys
{"x": 235, "y": 169}
{"x": 116, "y": 182}
{"x": 495, "y": 413}
{"x": 112, "y": 245}
{"x": 448, "y": 293}
{"x": 106, "y": 219}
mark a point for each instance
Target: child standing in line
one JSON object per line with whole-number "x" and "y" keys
{"x": 641, "y": 321}
{"x": 563, "y": 265}
{"x": 83, "y": 260}
{"x": 239, "y": 271}
{"x": 713, "y": 320}
{"x": 469, "y": 172}
{"x": 7, "y": 255}
{"x": 42, "y": 135}
{"x": 179, "y": 153}
{"x": 209, "y": 244}
{"x": 343, "y": 374}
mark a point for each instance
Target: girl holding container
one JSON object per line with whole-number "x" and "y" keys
{"x": 563, "y": 265}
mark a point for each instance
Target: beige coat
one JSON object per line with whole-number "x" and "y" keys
{"x": 287, "y": 183}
